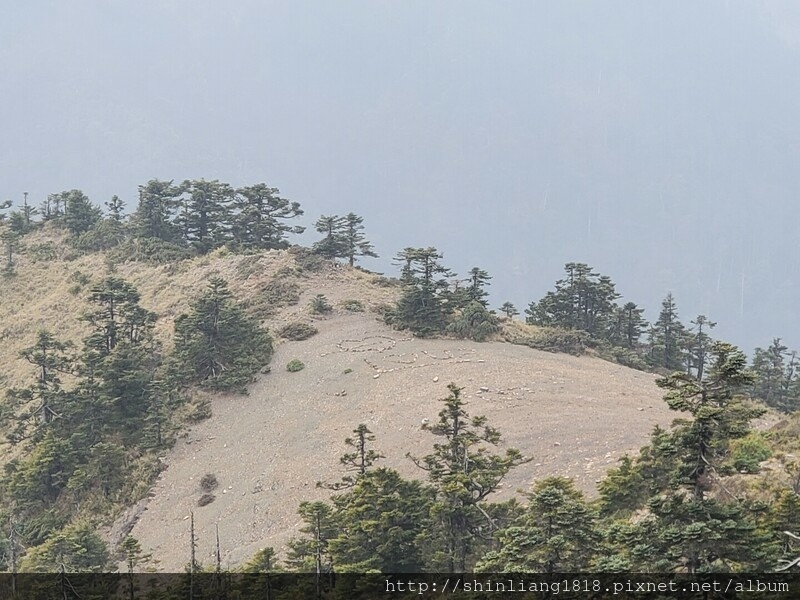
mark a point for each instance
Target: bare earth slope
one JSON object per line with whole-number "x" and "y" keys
{"x": 574, "y": 415}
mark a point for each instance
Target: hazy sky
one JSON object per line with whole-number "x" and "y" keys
{"x": 658, "y": 142}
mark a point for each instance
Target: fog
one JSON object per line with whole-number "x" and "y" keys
{"x": 658, "y": 142}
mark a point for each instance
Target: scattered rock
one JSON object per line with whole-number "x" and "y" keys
{"x": 556, "y": 443}
{"x": 436, "y": 379}
{"x": 484, "y": 389}
{"x": 376, "y": 375}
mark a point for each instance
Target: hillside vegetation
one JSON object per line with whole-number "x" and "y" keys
{"x": 188, "y": 371}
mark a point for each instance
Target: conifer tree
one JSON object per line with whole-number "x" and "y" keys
{"x": 205, "y": 218}
{"x": 10, "y": 240}
{"x": 424, "y": 306}
{"x": 556, "y": 534}
{"x": 217, "y": 343}
{"x": 689, "y": 529}
{"x": 509, "y": 310}
{"x": 667, "y": 338}
{"x": 464, "y": 473}
{"x": 309, "y": 553}
{"x": 776, "y": 378}
{"x": 115, "y": 207}
{"x": 80, "y": 214}
{"x": 582, "y": 300}
{"x": 357, "y": 461}
{"x": 476, "y": 286}
{"x": 46, "y": 397}
{"x": 355, "y": 244}
{"x": 628, "y": 326}
{"x": 260, "y": 215}
{"x": 700, "y": 345}
{"x": 381, "y": 524}
{"x": 331, "y": 246}
{"x": 153, "y": 218}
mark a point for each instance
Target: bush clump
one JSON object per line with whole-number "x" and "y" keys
{"x": 748, "y": 452}
{"x": 298, "y": 331}
{"x": 551, "y": 339}
{"x": 306, "y": 260}
{"x": 474, "y": 323}
{"x": 206, "y": 499}
{"x": 209, "y": 482}
{"x": 320, "y": 306}
{"x": 295, "y": 365}
{"x": 353, "y": 305}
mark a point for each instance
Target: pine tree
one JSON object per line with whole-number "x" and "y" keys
{"x": 627, "y": 326}
{"x": 474, "y": 322}
{"x": 357, "y": 461}
{"x": 80, "y": 214}
{"x": 688, "y": 528}
{"x": 331, "y": 246}
{"x": 424, "y": 306}
{"x": 309, "y": 553}
{"x": 355, "y": 244}
{"x": 775, "y": 382}
{"x": 10, "y": 241}
{"x": 205, "y": 218}
{"x": 381, "y": 523}
{"x": 115, "y": 207}
{"x": 509, "y": 310}
{"x": 700, "y": 345}
{"x": 464, "y": 473}
{"x": 476, "y": 284}
{"x": 217, "y": 343}
{"x": 558, "y": 533}
{"x": 667, "y": 338}
{"x": 153, "y": 218}
{"x": 259, "y": 222}
{"x": 46, "y": 396}
{"x": 582, "y": 300}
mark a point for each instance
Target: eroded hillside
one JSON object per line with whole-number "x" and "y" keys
{"x": 574, "y": 416}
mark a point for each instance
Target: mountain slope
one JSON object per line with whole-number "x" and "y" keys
{"x": 574, "y": 415}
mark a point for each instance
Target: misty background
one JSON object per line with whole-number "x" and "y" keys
{"x": 658, "y": 142}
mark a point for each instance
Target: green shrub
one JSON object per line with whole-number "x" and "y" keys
{"x": 474, "y": 323}
{"x": 623, "y": 356}
{"x": 281, "y": 292}
{"x": 347, "y": 371}
{"x": 248, "y": 265}
{"x": 320, "y": 306}
{"x": 353, "y": 305}
{"x": 748, "y": 452}
{"x": 42, "y": 252}
{"x": 150, "y": 250}
{"x": 295, "y": 365}
{"x": 306, "y": 260}
{"x": 551, "y": 339}
{"x": 298, "y": 331}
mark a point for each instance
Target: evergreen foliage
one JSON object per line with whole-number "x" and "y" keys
{"x": 218, "y": 345}
{"x": 381, "y": 524}
{"x": 474, "y": 322}
{"x": 259, "y": 218}
{"x": 425, "y": 303}
{"x": 464, "y": 473}
{"x": 582, "y": 300}
{"x": 776, "y": 382}
{"x": 668, "y": 338}
{"x": 509, "y": 310}
{"x": 557, "y": 533}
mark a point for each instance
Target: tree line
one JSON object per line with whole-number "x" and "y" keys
{"x": 96, "y": 415}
